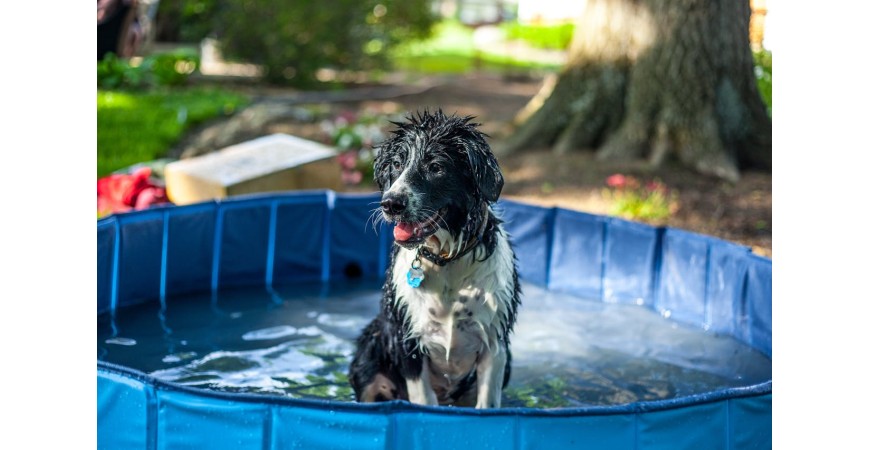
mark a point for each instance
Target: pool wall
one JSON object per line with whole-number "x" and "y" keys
{"x": 273, "y": 240}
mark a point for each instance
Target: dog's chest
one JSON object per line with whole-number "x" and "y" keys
{"x": 456, "y": 313}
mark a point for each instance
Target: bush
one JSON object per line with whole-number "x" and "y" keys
{"x": 185, "y": 21}
{"x": 160, "y": 69}
{"x": 172, "y": 68}
{"x": 764, "y": 76}
{"x": 632, "y": 199}
{"x": 356, "y": 136}
{"x": 292, "y": 40}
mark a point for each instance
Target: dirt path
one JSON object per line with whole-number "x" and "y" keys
{"x": 740, "y": 212}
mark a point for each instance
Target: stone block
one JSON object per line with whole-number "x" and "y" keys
{"x": 278, "y": 162}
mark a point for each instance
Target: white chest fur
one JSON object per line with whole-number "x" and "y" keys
{"x": 459, "y": 311}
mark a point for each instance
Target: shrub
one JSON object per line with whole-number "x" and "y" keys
{"x": 172, "y": 68}
{"x": 160, "y": 69}
{"x": 634, "y": 200}
{"x": 185, "y": 21}
{"x": 292, "y": 40}
{"x": 114, "y": 73}
{"x": 355, "y": 136}
{"x": 764, "y": 76}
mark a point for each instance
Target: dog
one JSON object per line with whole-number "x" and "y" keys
{"x": 451, "y": 294}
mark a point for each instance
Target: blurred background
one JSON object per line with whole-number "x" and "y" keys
{"x": 655, "y": 111}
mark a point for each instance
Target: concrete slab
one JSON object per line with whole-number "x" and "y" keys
{"x": 278, "y": 162}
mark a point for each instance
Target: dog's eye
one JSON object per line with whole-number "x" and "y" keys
{"x": 397, "y": 165}
{"x": 435, "y": 168}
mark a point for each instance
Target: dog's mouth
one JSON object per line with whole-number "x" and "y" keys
{"x": 412, "y": 233}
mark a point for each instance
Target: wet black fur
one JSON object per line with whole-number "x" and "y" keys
{"x": 470, "y": 182}
{"x": 470, "y": 178}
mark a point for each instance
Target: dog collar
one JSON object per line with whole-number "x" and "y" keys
{"x": 441, "y": 260}
{"x": 415, "y": 274}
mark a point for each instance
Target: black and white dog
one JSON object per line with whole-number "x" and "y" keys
{"x": 451, "y": 293}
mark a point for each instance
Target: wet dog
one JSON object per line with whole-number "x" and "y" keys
{"x": 450, "y": 298}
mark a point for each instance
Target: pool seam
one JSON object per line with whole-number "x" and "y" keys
{"x": 270, "y": 251}
{"x": 218, "y": 241}
{"x": 116, "y": 263}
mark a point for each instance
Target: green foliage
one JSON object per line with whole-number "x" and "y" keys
{"x": 292, "y": 40}
{"x": 114, "y": 72}
{"x": 764, "y": 77}
{"x": 160, "y": 69}
{"x": 172, "y": 68}
{"x": 135, "y": 126}
{"x": 186, "y": 20}
{"x": 633, "y": 200}
{"x": 552, "y": 37}
{"x": 355, "y": 135}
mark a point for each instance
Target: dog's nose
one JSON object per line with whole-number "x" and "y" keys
{"x": 393, "y": 205}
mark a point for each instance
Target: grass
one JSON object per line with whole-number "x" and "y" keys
{"x": 449, "y": 37}
{"x": 451, "y": 50}
{"x": 459, "y": 64}
{"x": 553, "y": 37}
{"x": 140, "y": 126}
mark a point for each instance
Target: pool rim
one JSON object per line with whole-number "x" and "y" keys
{"x": 395, "y": 406}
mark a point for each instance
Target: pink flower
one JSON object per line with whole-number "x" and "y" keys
{"x": 347, "y": 116}
{"x": 655, "y": 186}
{"x": 351, "y": 177}
{"x": 616, "y": 180}
{"x": 347, "y": 160}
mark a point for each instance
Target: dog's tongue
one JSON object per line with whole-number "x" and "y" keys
{"x": 404, "y": 231}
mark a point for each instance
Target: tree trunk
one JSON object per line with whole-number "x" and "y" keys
{"x": 656, "y": 79}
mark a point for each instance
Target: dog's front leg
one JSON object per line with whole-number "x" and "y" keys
{"x": 420, "y": 389}
{"x": 490, "y": 377}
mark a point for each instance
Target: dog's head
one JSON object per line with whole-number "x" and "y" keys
{"x": 438, "y": 176}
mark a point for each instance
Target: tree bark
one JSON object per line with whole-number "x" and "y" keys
{"x": 656, "y": 79}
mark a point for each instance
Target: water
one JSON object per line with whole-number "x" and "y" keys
{"x": 298, "y": 341}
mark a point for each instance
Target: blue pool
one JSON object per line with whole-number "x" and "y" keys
{"x": 276, "y": 242}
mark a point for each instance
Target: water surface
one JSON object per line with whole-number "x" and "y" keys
{"x": 297, "y": 341}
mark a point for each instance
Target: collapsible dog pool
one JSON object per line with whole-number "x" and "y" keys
{"x": 278, "y": 242}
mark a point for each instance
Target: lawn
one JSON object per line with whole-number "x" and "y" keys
{"x": 138, "y": 126}
{"x": 451, "y": 50}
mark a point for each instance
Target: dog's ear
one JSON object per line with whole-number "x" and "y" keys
{"x": 484, "y": 167}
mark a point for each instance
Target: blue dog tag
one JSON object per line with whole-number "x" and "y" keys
{"x": 415, "y": 277}
{"x": 415, "y": 273}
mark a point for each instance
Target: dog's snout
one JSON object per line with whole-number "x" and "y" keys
{"x": 394, "y": 204}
